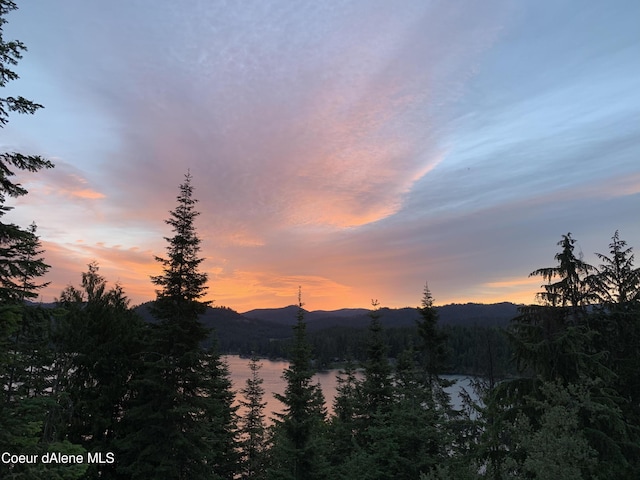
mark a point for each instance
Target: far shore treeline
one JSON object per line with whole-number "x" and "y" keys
{"x": 103, "y": 390}
{"x": 472, "y": 331}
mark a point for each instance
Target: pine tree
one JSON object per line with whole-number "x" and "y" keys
{"x": 558, "y": 349}
{"x": 572, "y": 287}
{"x": 298, "y": 451}
{"x": 432, "y": 340}
{"x": 372, "y": 443}
{"x": 19, "y": 254}
{"x": 399, "y": 425}
{"x": 554, "y": 339}
{"x": 183, "y": 396}
{"x": 11, "y": 52}
{"x": 30, "y": 395}
{"x": 376, "y": 388}
{"x": 617, "y": 322}
{"x": 617, "y": 281}
{"x": 104, "y": 339}
{"x": 252, "y": 424}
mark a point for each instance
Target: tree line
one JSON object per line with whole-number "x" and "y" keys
{"x": 89, "y": 377}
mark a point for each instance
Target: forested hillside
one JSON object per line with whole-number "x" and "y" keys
{"x": 472, "y": 330}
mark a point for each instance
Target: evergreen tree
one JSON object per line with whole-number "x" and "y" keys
{"x": 572, "y": 286}
{"x": 554, "y": 339}
{"x": 104, "y": 338}
{"x": 432, "y": 340}
{"x": 366, "y": 405}
{"x": 19, "y": 255}
{"x": 35, "y": 405}
{"x": 558, "y": 349}
{"x": 617, "y": 322}
{"x": 298, "y": 450}
{"x": 183, "y": 395}
{"x": 28, "y": 367}
{"x": 343, "y": 423}
{"x": 252, "y": 424}
{"x": 617, "y": 281}
{"x": 11, "y": 52}
{"x": 395, "y": 425}
{"x": 376, "y": 387}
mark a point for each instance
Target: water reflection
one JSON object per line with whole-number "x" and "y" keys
{"x": 271, "y": 373}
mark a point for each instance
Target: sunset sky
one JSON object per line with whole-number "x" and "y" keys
{"x": 354, "y": 148}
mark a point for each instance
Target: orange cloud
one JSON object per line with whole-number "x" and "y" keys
{"x": 246, "y": 290}
{"x": 130, "y": 267}
{"x": 84, "y": 193}
{"x": 514, "y": 289}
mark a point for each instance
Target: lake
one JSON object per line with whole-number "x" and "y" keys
{"x": 271, "y": 373}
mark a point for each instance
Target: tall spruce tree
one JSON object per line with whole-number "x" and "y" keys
{"x": 617, "y": 321}
{"x": 571, "y": 288}
{"x": 617, "y": 282}
{"x": 298, "y": 452}
{"x": 252, "y": 424}
{"x": 554, "y": 338}
{"x": 557, "y": 348}
{"x": 372, "y": 400}
{"x": 181, "y": 423}
{"x": 432, "y": 347}
{"x": 377, "y": 386}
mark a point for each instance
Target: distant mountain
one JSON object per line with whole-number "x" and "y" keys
{"x": 494, "y": 314}
{"x": 232, "y": 329}
{"x": 268, "y": 331}
{"x": 343, "y": 312}
{"x": 283, "y": 316}
{"x": 497, "y": 314}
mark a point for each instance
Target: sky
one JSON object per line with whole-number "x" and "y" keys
{"x": 357, "y": 149}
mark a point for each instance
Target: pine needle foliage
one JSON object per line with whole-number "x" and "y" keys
{"x": 183, "y": 395}
{"x": 298, "y": 452}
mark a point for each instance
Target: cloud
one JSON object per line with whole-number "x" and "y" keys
{"x": 64, "y": 180}
{"x": 355, "y": 148}
{"x": 331, "y": 129}
{"x": 131, "y": 267}
{"x": 260, "y": 289}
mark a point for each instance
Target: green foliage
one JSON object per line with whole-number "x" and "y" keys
{"x": 555, "y": 340}
{"x": 617, "y": 282}
{"x": 617, "y": 323}
{"x": 252, "y": 425}
{"x": 35, "y": 406}
{"x": 546, "y": 341}
{"x": 392, "y": 425}
{"x": 573, "y": 413}
{"x": 572, "y": 273}
{"x": 25, "y": 348}
{"x": 20, "y": 263}
{"x": 183, "y": 393}
{"x": 10, "y": 54}
{"x": 343, "y": 425}
{"x": 19, "y": 248}
{"x": 376, "y": 390}
{"x": 181, "y": 284}
{"x": 104, "y": 339}
{"x": 298, "y": 435}
{"x": 432, "y": 339}
{"x": 548, "y": 440}
{"x": 25, "y": 375}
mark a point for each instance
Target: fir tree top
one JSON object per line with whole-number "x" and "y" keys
{"x": 181, "y": 278}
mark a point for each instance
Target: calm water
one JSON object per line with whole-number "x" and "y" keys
{"x": 271, "y": 373}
